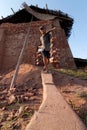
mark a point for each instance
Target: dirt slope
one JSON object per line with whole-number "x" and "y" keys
{"x": 17, "y": 108}
{"x": 74, "y": 90}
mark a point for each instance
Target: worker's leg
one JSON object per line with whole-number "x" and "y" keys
{"x": 46, "y": 62}
{"x": 46, "y": 56}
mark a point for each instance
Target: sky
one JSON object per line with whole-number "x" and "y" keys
{"x": 77, "y": 9}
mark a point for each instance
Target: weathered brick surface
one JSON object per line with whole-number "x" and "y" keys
{"x": 14, "y": 37}
{"x": 2, "y": 36}
{"x": 64, "y": 53}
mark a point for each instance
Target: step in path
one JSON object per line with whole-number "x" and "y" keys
{"x": 54, "y": 112}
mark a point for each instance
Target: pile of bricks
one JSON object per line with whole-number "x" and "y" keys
{"x": 55, "y": 57}
{"x": 39, "y": 59}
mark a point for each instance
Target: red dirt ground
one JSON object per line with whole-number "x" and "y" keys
{"x": 74, "y": 90}
{"x": 17, "y": 108}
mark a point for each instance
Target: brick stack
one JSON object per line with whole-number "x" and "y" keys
{"x": 39, "y": 59}
{"x": 55, "y": 56}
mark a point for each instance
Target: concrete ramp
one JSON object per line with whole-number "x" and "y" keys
{"x": 54, "y": 113}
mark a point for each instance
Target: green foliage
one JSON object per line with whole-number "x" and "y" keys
{"x": 83, "y": 115}
{"x": 82, "y": 112}
{"x": 72, "y": 105}
{"x": 26, "y": 114}
{"x": 83, "y": 95}
{"x": 76, "y": 73}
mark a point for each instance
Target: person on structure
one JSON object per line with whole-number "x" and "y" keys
{"x": 46, "y": 45}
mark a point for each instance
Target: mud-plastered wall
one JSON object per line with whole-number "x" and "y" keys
{"x": 2, "y": 37}
{"x": 12, "y": 37}
{"x": 61, "y": 50}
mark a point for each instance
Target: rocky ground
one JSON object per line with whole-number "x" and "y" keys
{"x": 18, "y": 106}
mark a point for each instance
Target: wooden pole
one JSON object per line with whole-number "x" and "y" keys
{"x": 20, "y": 58}
{"x": 13, "y": 11}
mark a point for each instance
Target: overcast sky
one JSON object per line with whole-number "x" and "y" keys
{"x": 76, "y": 9}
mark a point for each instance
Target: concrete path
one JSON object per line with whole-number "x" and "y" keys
{"x": 54, "y": 112}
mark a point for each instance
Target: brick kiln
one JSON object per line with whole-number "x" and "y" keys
{"x": 13, "y": 30}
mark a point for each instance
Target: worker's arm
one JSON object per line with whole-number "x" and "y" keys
{"x": 51, "y": 29}
{"x": 53, "y": 39}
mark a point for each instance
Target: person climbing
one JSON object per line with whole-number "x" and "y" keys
{"x": 45, "y": 45}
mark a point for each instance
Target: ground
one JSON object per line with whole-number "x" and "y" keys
{"x": 74, "y": 91}
{"x": 18, "y": 106}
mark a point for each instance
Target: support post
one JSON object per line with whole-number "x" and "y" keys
{"x": 20, "y": 58}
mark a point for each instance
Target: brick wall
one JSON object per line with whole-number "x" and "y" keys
{"x": 64, "y": 54}
{"x": 2, "y": 37}
{"x": 14, "y": 39}
{"x": 14, "y": 36}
